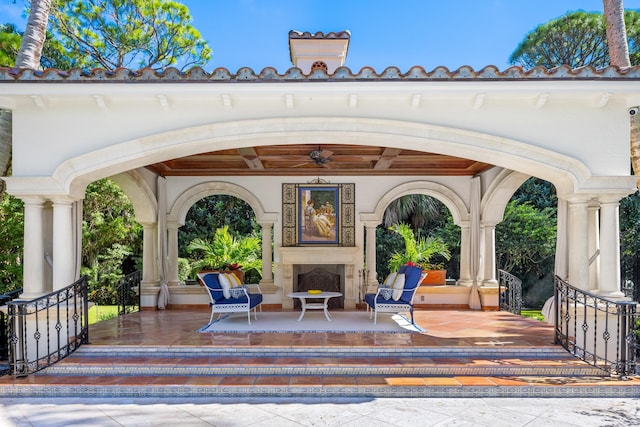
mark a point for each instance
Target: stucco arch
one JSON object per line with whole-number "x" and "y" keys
{"x": 565, "y": 172}
{"x": 444, "y": 194}
{"x": 188, "y": 198}
{"x": 498, "y": 194}
{"x": 145, "y": 204}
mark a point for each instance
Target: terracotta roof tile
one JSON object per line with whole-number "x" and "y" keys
{"x": 270, "y": 74}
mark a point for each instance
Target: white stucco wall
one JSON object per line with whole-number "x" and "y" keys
{"x": 99, "y": 130}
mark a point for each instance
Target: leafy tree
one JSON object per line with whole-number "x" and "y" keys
{"x": 108, "y": 219}
{"x": 11, "y": 250}
{"x": 576, "y": 39}
{"x": 525, "y": 246}
{"x": 630, "y": 240}
{"x": 213, "y": 212}
{"x": 526, "y": 236}
{"x": 128, "y": 33}
{"x": 538, "y": 193}
{"x": 10, "y": 39}
{"x": 111, "y": 239}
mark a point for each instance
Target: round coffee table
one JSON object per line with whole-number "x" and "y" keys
{"x": 302, "y": 296}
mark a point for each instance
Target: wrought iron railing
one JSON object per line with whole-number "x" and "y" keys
{"x": 47, "y": 329}
{"x": 129, "y": 293}
{"x": 4, "y": 341}
{"x": 510, "y": 292}
{"x": 598, "y": 330}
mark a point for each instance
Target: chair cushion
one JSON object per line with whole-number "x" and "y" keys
{"x": 390, "y": 279}
{"x": 235, "y": 281}
{"x": 398, "y": 286}
{"x": 412, "y": 281}
{"x": 225, "y": 282}
{"x": 213, "y": 285}
{"x": 386, "y": 292}
{"x": 254, "y": 299}
{"x": 371, "y": 301}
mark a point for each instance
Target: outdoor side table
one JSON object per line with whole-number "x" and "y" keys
{"x": 325, "y": 296}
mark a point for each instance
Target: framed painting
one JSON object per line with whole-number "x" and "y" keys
{"x": 318, "y": 214}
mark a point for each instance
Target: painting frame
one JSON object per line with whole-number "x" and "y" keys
{"x": 318, "y": 214}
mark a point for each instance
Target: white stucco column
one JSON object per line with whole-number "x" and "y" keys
{"x": 489, "y": 255}
{"x": 63, "y": 245}
{"x": 370, "y": 260}
{"x": 610, "y": 249}
{"x": 594, "y": 247}
{"x": 172, "y": 254}
{"x": 267, "y": 284}
{"x": 33, "y": 265}
{"x": 578, "y": 213}
{"x": 562, "y": 235}
{"x": 148, "y": 255}
{"x": 465, "y": 278}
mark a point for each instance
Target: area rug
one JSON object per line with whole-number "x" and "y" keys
{"x": 313, "y": 321}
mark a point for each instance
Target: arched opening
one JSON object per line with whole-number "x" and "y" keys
{"x": 428, "y": 218}
{"x": 526, "y": 239}
{"x": 198, "y": 245}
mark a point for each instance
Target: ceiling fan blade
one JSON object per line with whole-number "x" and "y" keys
{"x": 301, "y": 164}
{"x": 325, "y": 154}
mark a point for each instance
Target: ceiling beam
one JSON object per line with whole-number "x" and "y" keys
{"x": 250, "y": 157}
{"x": 387, "y": 158}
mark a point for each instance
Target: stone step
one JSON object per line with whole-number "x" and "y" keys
{"x": 548, "y": 352}
{"x": 247, "y": 386}
{"x": 358, "y": 372}
{"x": 320, "y": 366}
{"x": 321, "y": 361}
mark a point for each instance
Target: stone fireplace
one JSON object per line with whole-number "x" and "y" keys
{"x": 298, "y": 261}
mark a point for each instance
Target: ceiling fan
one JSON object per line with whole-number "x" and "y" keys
{"x": 320, "y": 157}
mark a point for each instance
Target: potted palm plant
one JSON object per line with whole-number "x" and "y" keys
{"x": 226, "y": 253}
{"x": 421, "y": 251}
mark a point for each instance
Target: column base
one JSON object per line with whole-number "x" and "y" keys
{"x": 268, "y": 287}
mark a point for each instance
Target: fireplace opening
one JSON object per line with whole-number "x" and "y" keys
{"x": 328, "y": 278}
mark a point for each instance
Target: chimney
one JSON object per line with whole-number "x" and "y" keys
{"x": 318, "y": 51}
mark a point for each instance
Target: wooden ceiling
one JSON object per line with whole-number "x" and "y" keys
{"x": 290, "y": 160}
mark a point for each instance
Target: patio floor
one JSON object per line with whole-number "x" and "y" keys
{"x": 462, "y": 353}
{"x": 443, "y": 328}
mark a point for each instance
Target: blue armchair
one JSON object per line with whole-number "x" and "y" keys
{"x": 379, "y": 302}
{"x": 240, "y": 299}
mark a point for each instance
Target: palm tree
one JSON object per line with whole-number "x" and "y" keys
{"x": 417, "y": 209}
{"x": 616, "y": 33}
{"x": 34, "y": 35}
{"x": 28, "y": 57}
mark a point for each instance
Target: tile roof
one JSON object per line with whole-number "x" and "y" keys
{"x": 270, "y": 74}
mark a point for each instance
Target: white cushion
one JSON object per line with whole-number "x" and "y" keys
{"x": 398, "y": 286}
{"x": 225, "y": 283}
{"x": 390, "y": 279}
{"x": 235, "y": 280}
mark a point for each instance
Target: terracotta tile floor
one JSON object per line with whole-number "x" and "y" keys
{"x": 449, "y": 328}
{"x": 443, "y": 328}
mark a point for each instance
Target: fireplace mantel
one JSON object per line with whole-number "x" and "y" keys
{"x": 347, "y": 256}
{"x": 318, "y": 255}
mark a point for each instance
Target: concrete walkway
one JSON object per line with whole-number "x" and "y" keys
{"x": 494, "y": 412}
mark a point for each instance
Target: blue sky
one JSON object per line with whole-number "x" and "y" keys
{"x": 452, "y": 33}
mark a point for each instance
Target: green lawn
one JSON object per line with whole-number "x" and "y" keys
{"x": 532, "y": 314}
{"x": 98, "y": 313}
